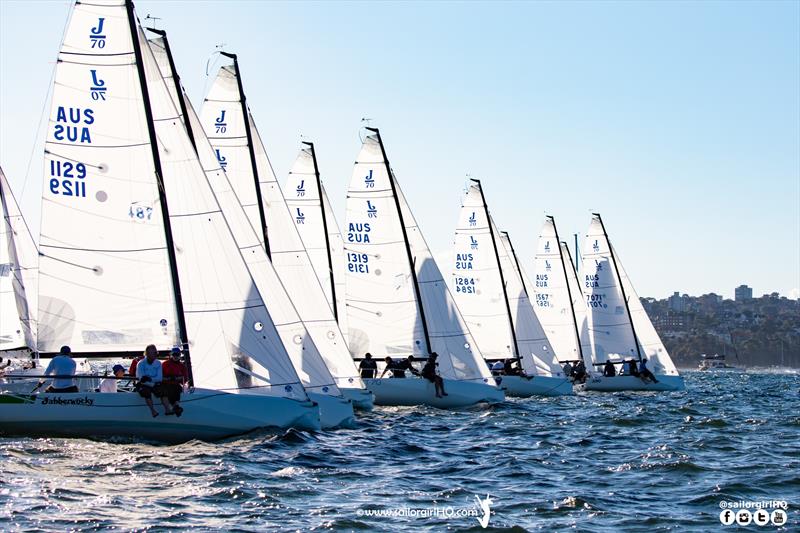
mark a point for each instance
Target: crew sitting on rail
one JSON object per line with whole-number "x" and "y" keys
{"x": 399, "y": 368}
{"x": 608, "y": 370}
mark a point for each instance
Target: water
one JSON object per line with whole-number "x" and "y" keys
{"x": 593, "y": 462}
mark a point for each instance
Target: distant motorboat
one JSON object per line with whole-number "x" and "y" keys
{"x": 715, "y": 363}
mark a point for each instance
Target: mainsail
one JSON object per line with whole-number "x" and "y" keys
{"x": 19, "y": 263}
{"x": 490, "y": 292}
{"x": 308, "y": 202}
{"x": 559, "y": 301}
{"x": 395, "y": 292}
{"x": 239, "y": 146}
{"x": 619, "y": 325}
{"x": 130, "y": 150}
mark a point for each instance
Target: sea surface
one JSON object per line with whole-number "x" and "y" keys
{"x": 593, "y": 462}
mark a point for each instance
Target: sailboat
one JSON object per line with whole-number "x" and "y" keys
{"x": 560, "y": 304}
{"x": 135, "y": 250}
{"x": 231, "y": 129}
{"x": 398, "y": 304}
{"x": 618, "y": 323}
{"x": 335, "y": 411}
{"x": 316, "y": 223}
{"x": 493, "y": 301}
{"x": 18, "y": 264}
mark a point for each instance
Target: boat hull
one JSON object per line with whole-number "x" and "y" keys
{"x": 633, "y": 383}
{"x": 208, "y": 415}
{"x": 334, "y": 411}
{"x": 362, "y": 399}
{"x": 417, "y": 391}
{"x": 522, "y": 387}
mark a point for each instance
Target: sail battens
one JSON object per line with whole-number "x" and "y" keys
{"x": 104, "y": 250}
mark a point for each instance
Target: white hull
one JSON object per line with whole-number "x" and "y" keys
{"x": 632, "y": 383}
{"x": 418, "y": 391}
{"x": 536, "y": 386}
{"x": 208, "y": 415}
{"x": 362, "y": 399}
{"x": 334, "y": 411}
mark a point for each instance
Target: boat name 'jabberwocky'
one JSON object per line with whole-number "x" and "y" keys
{"x": 58, "y": 400}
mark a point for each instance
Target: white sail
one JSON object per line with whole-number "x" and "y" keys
{"x": 381, "y": 296}
{"x": 538, "y": 355}
{"x": 555, "y": 295}
{"x": 104, "y": 283}
{"x": 315, "y": 222}
{"x": 19, "y": 263}
{"x": 284, "y": 244}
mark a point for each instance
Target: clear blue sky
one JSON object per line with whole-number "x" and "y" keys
{"x": 678, "y": 121}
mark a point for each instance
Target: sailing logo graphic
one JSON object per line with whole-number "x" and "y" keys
{"x": 301, "y": 218}
{"x": 96, "y": 36}
{"x": 596, "y": 246}
{"x": 97, "y": 88}
{"x": 220, "y": 124}
{"x": 473, "y": 243}
{"x": 485, "y": 507}
{"x": 301, "y": 191}
{"x": 369, "y": 182}
{"x": 472, "y": 220}
{"x": 223, "y": 161}
{"x": 372, "y": 211}
{"x": 547, "y": 247}
{"x": 598, "y": 265}
{"x": 547, "y": 265}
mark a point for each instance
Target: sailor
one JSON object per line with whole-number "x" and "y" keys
{"x": 175, "y": 376}
{"x": 110, "y": 384}
{"x": 580, "y": 372}
{"x": 632, "y": 370}
{"x": 609, "y": 371}
{"x": 62, "y": 366}
{"x": 429, "y": 372}
{"x": 497, "y": 368}
{"x": 644, "y": 373}
{"x": 132, "y": 369}
{"x": 150, "y": 375}
{"x": 399, "y": 368}
{"x": 626, "y": 368}
{"x": 567, "y": 369}
{"x": 368, "y": 366}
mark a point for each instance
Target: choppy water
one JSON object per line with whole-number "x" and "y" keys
{"x": 593, "y": 462}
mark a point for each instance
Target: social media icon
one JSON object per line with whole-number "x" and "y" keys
{"x": 778, "y": 517}
{"x": 727, "y": 517}
{"x": 743, "y": 517}
{"x": 761, "y": 517}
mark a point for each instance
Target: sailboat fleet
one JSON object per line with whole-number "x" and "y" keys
{"x": 167, "y": 226}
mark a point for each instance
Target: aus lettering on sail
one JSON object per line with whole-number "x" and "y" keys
{"x": 358, "y": 232}
{"x": 464, "y": 261}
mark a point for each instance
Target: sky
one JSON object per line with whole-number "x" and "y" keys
{"x": 678, "y": 121}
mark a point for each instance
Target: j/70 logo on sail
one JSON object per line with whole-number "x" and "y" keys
{"x": 220, "y": 124}
{"x": 369, "y": 182}
{"x": 96, "y": 37}
{"x": 301, "y": 190}
{"x": 98, "y": 87}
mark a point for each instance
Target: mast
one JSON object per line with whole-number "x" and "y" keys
{"x": 252, "y": 151}
{"x": 577, "y": 254}
{"x": 173, "y": 263}
{"x": 569, "y": 291}
{"x": 516, "y": 261}
{"x": 405, "y": 238}
{"x": 177, "y": 81}
{"x": 500, "y": 269}
{"x": 325, "y": 229}
{"x": 621, "y": 287}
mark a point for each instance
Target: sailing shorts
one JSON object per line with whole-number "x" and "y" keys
{"x": 147, "y": 391}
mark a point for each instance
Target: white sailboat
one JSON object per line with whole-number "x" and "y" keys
{"x": 122, "y": 266}
{"x": 493, "y": 300}
{"x": 316, "y": 223}
{"x": 618, "y": 324}
{"x": 560, "y": 304}
{"x": 334, "y": 410}
{"x": 230, "y": 128}
{"x": 398, "y": 304}
{"x": 19, "y": 262}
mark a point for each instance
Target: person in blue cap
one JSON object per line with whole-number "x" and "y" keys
{"x": 110, "y": 384}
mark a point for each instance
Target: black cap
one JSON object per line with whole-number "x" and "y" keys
{"x": 65, "y": 350}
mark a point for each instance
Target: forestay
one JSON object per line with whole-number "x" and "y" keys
{"x": 19, "y": 264}
{"x": 283, "y": 245}
{"x": 283, "y": 332}
{"x": 381, "y": 296}
{"x": 315, "y": 222}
